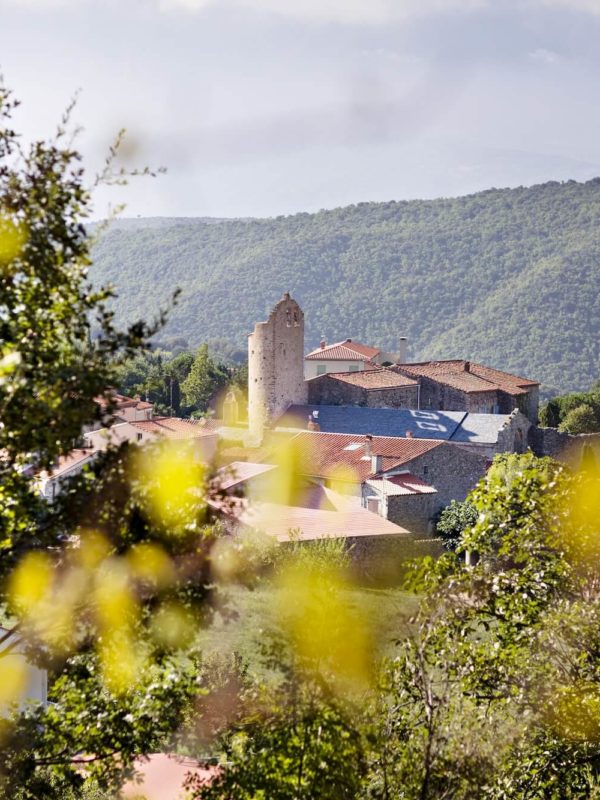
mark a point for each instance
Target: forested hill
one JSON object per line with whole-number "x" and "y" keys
{"x": 509, "y": 277}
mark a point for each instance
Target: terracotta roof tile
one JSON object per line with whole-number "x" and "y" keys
{"x": 317, "y": 524}
{"x": 403, "y": 484}
{"x": 241, "y": 471}
{"x": 67, "y": 462}
{"x": 323, "y": 454}
{"x": 347, "y": 350}
{"x": 467, "y": 376}
{"x": 172, "y": 428}
{"x": 376, "y": 378}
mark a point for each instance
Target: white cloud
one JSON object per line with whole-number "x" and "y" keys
{"x": 589, "y": 6}
{"x": 544, "y": 56}
{"x": 341, "y": 11}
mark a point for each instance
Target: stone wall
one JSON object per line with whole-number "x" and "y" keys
{"x": 440, "y": 397}
{"x": 275, "y": 365}
{"x": 563, "y": 446}
{"x": 514, "y": 436}
{"x": 452, "y": 470}
{"x": 326, "y": 390}
{"x": 383, "y": 560}
{"x": 412, "y": 511}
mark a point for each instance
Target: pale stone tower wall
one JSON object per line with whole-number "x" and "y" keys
{"x": 275, "y": 365}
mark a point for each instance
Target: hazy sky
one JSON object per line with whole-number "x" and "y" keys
{"x": 265, "y": 107}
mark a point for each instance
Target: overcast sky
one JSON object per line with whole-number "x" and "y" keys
{"x": 266, "y": 107}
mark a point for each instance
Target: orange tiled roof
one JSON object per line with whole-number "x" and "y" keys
{"x": 322, "y": 454}
{"x": 314, "y": 523}
{"x": 376, "y": 378}
{"x": 401, "y": 485}
{"x": 122, "y": 401}
{"x": 347, "y": 350}
{"x": 172, "y": 428}
{"x": 70, "y": 460}
{"x": 241, "y": 471}
{"x": 467, "y": 376}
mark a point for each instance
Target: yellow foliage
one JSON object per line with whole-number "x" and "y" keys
{"x": 13, "y": 678}
{"x": 324, "y": 630}
{"x": 13, "y": 237}
{"x": 173, "y": 625}
{"x": 171, "y": 478}
{"x": 150, "y": 563}
{"x": 31, "y": 582}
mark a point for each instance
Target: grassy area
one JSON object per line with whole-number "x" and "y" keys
{"x": 250, "y": 613}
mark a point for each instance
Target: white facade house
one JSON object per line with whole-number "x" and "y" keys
{"x": 34, "y": 681}
{"x": 345, "y": 356}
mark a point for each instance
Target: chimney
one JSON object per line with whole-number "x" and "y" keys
{"x": 369, "y": 445}
{"x": 322, "y": 343}
{"x": 409, "y": 435}
{"x": 402, "y": 350}
{"x": 348, "y": 340}
{"x": 467, "y": 366}
{"x": 376, "y": 464}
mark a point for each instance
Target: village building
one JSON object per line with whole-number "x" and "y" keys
{"x": 348, "y": 356}
{"x": 433, "y": 472}
{"x": 148, "y": 430}
{"x": 483, "y": 434}
{"x": 34, "y": 679}
{"x": 377, "y": 387}
{"x": 459, "y": 385}
{"x": 141, "y": 427}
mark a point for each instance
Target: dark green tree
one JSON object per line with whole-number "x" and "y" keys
{"x": 205, "y": 379}
{"x": 453, "y": 520}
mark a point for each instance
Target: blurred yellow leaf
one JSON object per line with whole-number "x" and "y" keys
{"x": 324, "y": 630}
{"x": 31, "y": 582}
{"x": 13, "y": 236}
{"x": 150, "y": 563}
{"x": 173, "y": 625}
{"x": 122, "y": 661}
{"x": 171, "y": 478}
{"x": 13, "y": 679}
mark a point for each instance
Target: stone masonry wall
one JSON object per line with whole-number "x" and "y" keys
{"x": 275, "y": 365}
{"x": 452, "y": 470}
{"x": 326, "y": 390}
{"x": 412, "y": 511}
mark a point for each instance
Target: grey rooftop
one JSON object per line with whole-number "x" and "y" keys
{"x": 455, "y": 426}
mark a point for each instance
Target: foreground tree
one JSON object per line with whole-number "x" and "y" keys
{"x": 103, "y": 587}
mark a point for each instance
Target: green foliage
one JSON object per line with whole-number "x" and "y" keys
{"x": 92, "y": 585}
{"x": 577, "y": 412}
{"x": 503, "y": 276}
{"x": 205, "y": 379}
{"x": 453, "y": 520}
{"x": 581, "y": 419}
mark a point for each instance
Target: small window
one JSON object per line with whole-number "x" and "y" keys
{"x": 321, "y": 369}
{"x": 425, "y": 470}
{"x": 353, "y": 446}
{"x": 140, "y": 436}
{"x": 353, "y": 368}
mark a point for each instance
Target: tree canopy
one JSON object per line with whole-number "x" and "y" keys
{"x": 508, "y": 277}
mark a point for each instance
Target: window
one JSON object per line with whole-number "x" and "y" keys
{"x": 353, "y": 368}
{"x": 353, "y": 446}
{"x": 425, "y": 470}
{"x": 140, "y": 436}
{"x": 321, "y": 369}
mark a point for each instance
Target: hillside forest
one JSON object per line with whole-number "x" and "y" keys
{"x": 508, "y": 277}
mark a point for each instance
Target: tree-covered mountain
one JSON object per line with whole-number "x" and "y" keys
{"x": 509, "y": 277}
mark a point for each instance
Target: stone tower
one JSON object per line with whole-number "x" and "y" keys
{"x": 275, "y": 365}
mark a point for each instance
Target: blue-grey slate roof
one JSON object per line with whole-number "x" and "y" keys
{"x": 456, "y": 426}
